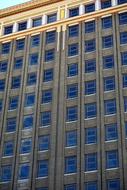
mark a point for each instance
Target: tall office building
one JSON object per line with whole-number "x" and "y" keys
{"x": 63, "y": 95}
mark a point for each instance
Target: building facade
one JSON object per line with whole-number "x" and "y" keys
{"x": 63, "y": 95}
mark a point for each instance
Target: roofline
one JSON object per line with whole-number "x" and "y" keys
{"x": 25, "y": 7}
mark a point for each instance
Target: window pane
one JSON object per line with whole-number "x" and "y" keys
{"x": 72, "y": 70}
{"x": 108, "y": 62}
{"x": 29, "y": 100}
{"x": 91, "y": 162}
{"x": 111, "y": 132}
{"x": 109, "y": 83}
{"x": 73, "y": 31}
{"x": 46, "y": 96}
{"x": 8, "y": 149}
{"x": 50, "y": 37}
{"x": 91, "y": 185}
{"x": 70, "y": 164}
{"x": 28, "y": 121}
{"x": 70, "y": 187}
{"x": 74, "y": 12}
{"x": 90, "y": 110}
{"x": 18, "y": 62}
{"x": 24, "y": 170}
{"x": 91, "y": 135}
{"x": 72, "y": 113}
{"x": 26, "y": 145}
{"x": 106, "y": 4}
{"x": 11, "y": 124}
{"x": 52, "y": 18}
{"x": 123, "y": 37}
{"x": 90, "y": 87}
{"x": 42, "y": 170}
{"x": 112, "y": 160}
{"x": 3, "y": 65}
{"x": 90, "y": 65}
{"x": 124, "y": 58}
{"x": 43, "y": 142}
{"x": 113, "y": 184}
{"x": 37, "y": 22}
{"x": 89, "y": 8}
{"x": 8, "y": 29}
{"x": 90, "y": 45}
{"x": 6, "y": 172}
{"x": 71, "y": 138}
{"x": 123, "y": 18}
{"x": 45, "y": 118}
{"x": 22, "y": 26}
{"x": 72, "y": 91}
{"x": 73, "y": 49}
{"x": 35, "y": 41}
{"x": 107, "y": 22}
{"x": 110, "y": 106}
{"x": 90, "y": 27}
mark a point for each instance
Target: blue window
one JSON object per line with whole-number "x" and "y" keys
{"x": 73, "y": 31}
{"x": 45, "y": 118}
{"x": 13, "y": 102}
{"x": 72, "y": 91}
{"x": 8, "y": 29}
{"x": 90, "y": 110}
{"x": 6, "y": 173}
{"x": 126, "y": 129}
{"x": 50, "y": 37}
{"x": 48, "y": 75}
{"x": 31, "y": 78}
{"x": 20, "y": 44}
{"x": 16, "y": 81}
{"x": 22, "y": 26}
{"x": 91, "y": 135}
{"x": 18, "y": 62}
{"x": 46, "y": 96}
{"x": 90, "y": 26}
{"x": 71, "y": 138}
{"x": 1, "y": 104}
{"x": 33, "y": 59}
{"x": 24, "y": 171}
{"x": 42, "y": 168}
{"x": 91, "y": 185}
{"x": 11, "y": 124}
{"x": 90, "y": 162}
{"x": 106, "y": 4}
{"x": 112, "y": 160}
{"x": 35, "y": 41}
{"x": 110, "y": 106}
{"x": 113, "y": 184}
{"x": 43, "y": 142}
{"x": 90, "y": 45}
{"x": 121, "y": 1}
{"x": 107, "y": 41}
{"x": 90, "y": 65}
{"x": 3, "y": 65}
{"x": 52, "y": 18}
{"x": 6, "y": 48}
{"x": 8, "y": 149}
{"x": 37, "y": 22}
{"x": 74, "y": 12}
{"x": 26, "y": 145}
{"x": 72, "y": 70}
{"x": 73, "y": 49}
{"x": 89, "y": 8}
{"x": 108, "y": 62}
{"x": 124, "y": 80}
{"x": 70, "y": 164}
{"x": 123, "y": 18}
{"x": 29, "y": 99}
{"x": 111, "y": 132}
{"x": 109, "y": 83}
{"x": 124, "y": 58}
{"x": 72, "y": 113}
{"x": 123, "y": 37}
{"x": 28, "y": 121}
{"x": 70, "y": 187}
{"x": 2, "y": 85}
{"x": 107, "y": 22}
{"x": 125, "y": 103}
{"x": 49, "y": 55}
{"x": 90, "y": 87}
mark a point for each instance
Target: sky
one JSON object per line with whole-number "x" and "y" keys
{"x": 8, "y": 3}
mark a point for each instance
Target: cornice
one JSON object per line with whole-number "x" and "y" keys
{"x": 26, "y": 7}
